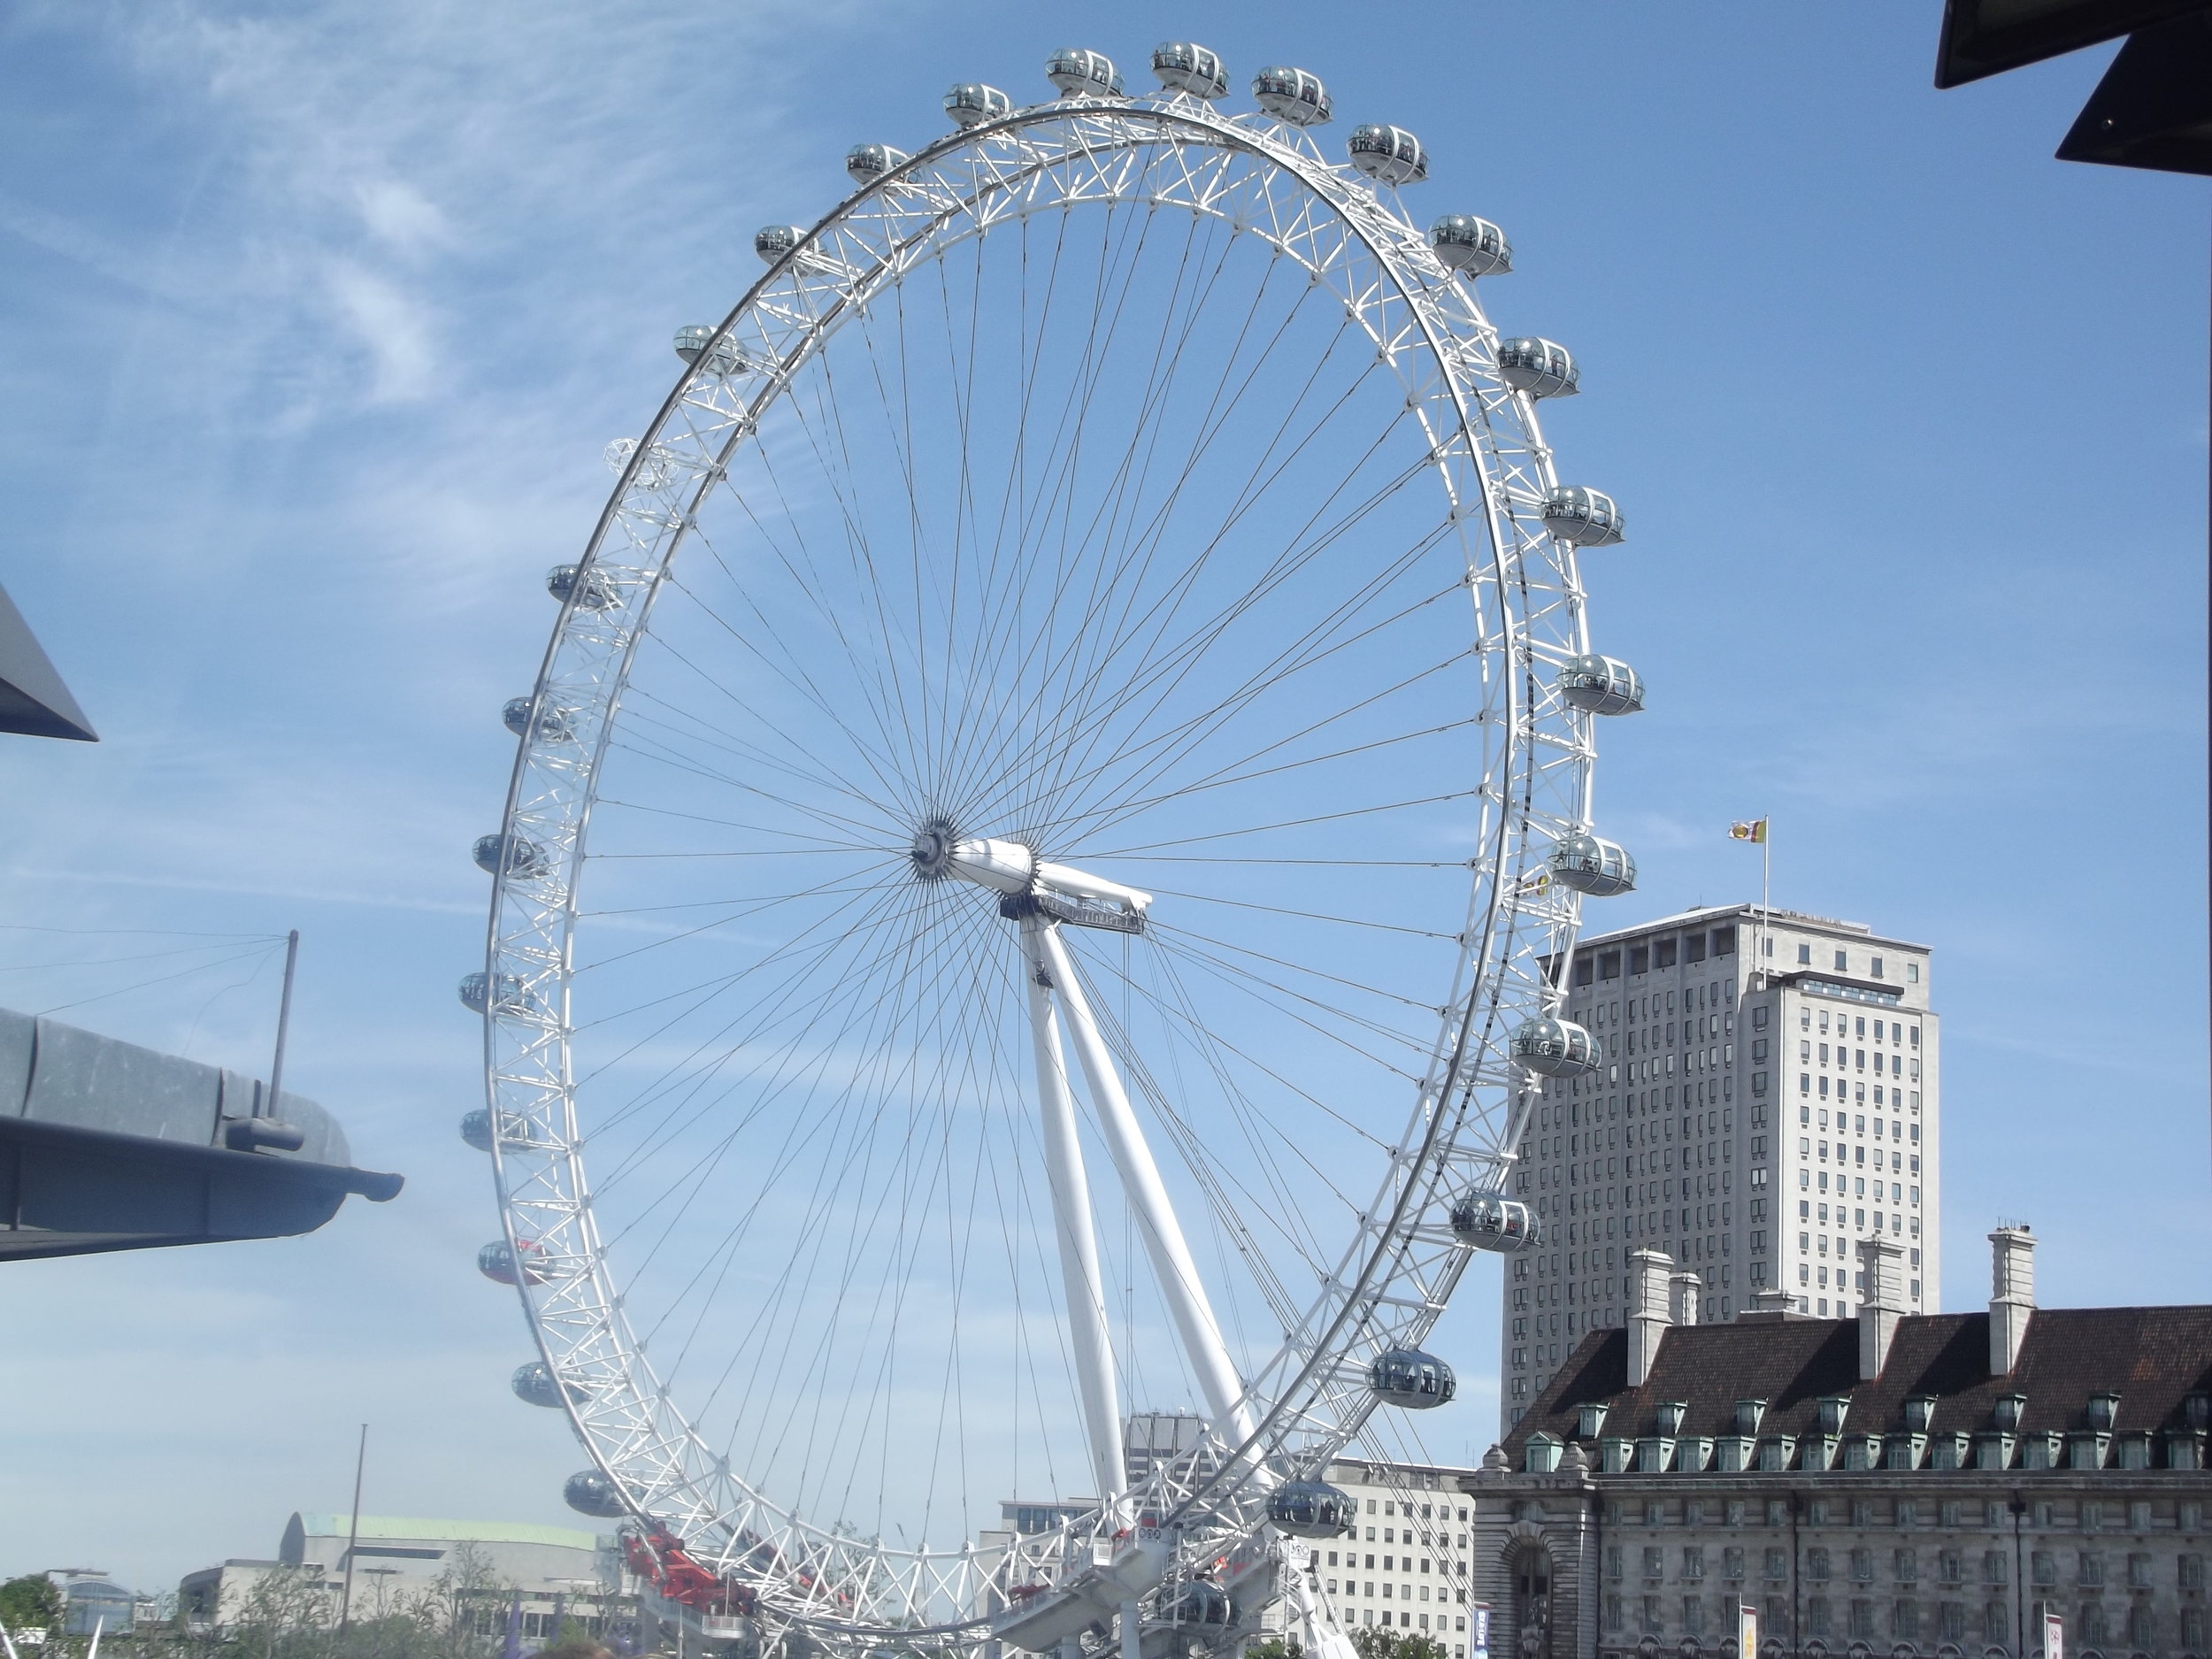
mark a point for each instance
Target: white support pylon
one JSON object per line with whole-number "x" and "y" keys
{"x": 1084, "y": 1286}
{"x": 1180, "y": 1287}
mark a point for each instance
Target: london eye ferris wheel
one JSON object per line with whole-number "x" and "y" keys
{"x": 1035, "y": 876}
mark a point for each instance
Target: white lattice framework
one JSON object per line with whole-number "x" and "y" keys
{"x": 1269, "y": 182}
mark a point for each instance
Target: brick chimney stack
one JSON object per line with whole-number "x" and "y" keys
{"x": 2011, "y": 1295}
{"x": 1650, "y": 1274}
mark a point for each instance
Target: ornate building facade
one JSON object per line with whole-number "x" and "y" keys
{"x": 1888, "y": 1486}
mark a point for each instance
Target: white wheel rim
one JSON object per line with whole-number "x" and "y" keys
{"x": 1396, "y": 1271}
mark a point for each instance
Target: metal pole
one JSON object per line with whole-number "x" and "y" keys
{"x": 1180, "y": 1287}
{"x": 284, "y": 1021}
{"x": 353, "y": 1527}
{"x": 1071, "y": 1214}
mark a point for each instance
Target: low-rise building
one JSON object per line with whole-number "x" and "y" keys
{"x": 500, "y": 1574}
{"x": 1894, "y": 1484}
{"x": 1405, "y": 1565}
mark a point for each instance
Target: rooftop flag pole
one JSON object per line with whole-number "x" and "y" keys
{"x": 1755, "y": 830}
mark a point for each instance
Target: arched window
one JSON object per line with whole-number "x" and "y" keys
{"x": 1530, "y": 1571}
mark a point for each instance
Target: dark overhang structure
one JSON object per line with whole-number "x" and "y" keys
{"x": 107, "y": 1146}
{"x": 2154, "y": 107}
{"x": 33, "y": 702}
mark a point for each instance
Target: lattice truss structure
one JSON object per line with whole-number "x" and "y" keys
{"x": 1521, "y": 790}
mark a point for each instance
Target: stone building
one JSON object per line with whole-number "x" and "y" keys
{"x": 1893, "y": 1484}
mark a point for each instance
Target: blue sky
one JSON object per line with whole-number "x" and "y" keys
{"x": 314, "y": 320}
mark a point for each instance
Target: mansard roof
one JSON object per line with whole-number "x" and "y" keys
{"x": 2152, "y": 1358}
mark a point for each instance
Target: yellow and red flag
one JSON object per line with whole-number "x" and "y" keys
{"x": 1755, "y": 830}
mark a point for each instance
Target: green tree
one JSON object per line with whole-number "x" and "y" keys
{"x": 1374, "y": 1642}
{"x": 30, "y": 1602}
{"x": 1276, "y": 1648}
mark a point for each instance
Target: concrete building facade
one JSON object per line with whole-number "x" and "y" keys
{"x": 1769, "y": 1097}
{"x": 1893, "y": 1485}
{"x": 1405, "y": 1566}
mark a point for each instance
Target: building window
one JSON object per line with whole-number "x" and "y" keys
{"x": 1692, "y": 1560}
{"x": 1692, "y": 1615}
{"x": 2142, "y": 1628}
{"x": 1816, "y": 1563}
{"x": 2092, "y": 1570}
{"x": 1951, "y": 1621}
{"x": 2092, "y": 1628}
{"x": 1816, "y": 1616}
{"x": 1861, "y": 1619}
{"x": 1904, "y": 1621}
{"x": 1654, "y": 1563}
{"x": 1777, "y": 1563}
{"x": 2043, "y": 1566}
{"x": 2189, "y": 1569}
{"x": 1612, "y": 1612}
{"x": 1843, "y": 962}
{"x": 1651, "y": 1616}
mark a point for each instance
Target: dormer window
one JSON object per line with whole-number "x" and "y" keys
{"x": 2102, "y": 1410}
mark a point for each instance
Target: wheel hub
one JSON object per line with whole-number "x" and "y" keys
{"x": 931, "y": 848}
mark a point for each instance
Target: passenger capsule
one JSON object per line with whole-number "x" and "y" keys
{"x": 534, "y": 1384}
{"x": 774, "y": 242}
{"x": 1556, "y": 1047}
{"x": 1311, "y": 1509}
{"x": 971, "y": 103}
{"x": 1203, "y": 1606}
{"x": 552, "y": 723}
{"x": 865, "y": 164}
{"x": 520, "y": 857}
{"x": 1388, "y": 155}
{"x": 505, "y": 1264}
{"x": 1186, "y": 66}
{"x": 1291, "y": 95}
{"x": 1406, "y": 1376}
{"x": 1491, "y": 1221}
{"x": 476, "y": 993}
{"x": 697, "y": 346}
{"x": 1542, "y": 368}
{"x": 1601, "y": 685}
{"x": 476, "y": 1129}
{"x": 591, "y": 1492}
{"x": 1472, "y": 245}
{"x": 1589, "y": 865}
{"x": 1080, "y": 73}
{"x": 591, "y": 592}
{"x": 1586, "y": 518}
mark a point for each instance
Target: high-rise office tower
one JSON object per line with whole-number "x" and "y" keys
{"x": 1767, "y": 1097}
